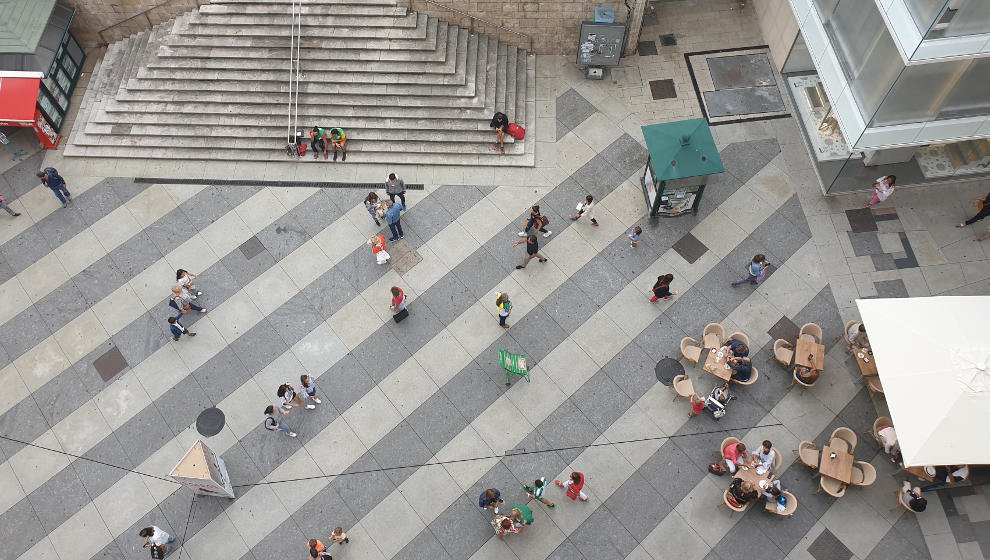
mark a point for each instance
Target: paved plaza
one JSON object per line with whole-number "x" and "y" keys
{"x": 99, "y": 403}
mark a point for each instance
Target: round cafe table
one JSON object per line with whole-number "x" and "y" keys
{"x": 210, "y": 422}
{"x": 667, "y": 369}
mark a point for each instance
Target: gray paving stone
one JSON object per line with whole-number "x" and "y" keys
{"x": 222, "y": 374}
{"x": 500, "y": 245}
{"x": 537, "y": 334}
{"x": 742, "y": 160}
{"x": 95, "y": 203}
{"x": 599, "y": 280}
{"x": 457, "y": 199}
{"x": 169, "y": 231}
{"x": 861, "y": 220}
{"x": 891, "y": 288}
{"x": 626, "y": 154}
{"x": 325, "y": 509}
{"x": 252, "y": 247}
{"x": 59, "y": 498}
{"x": 573, "y": 109}
{"x": 564, "y": 197}
{"x": 671, "y": 473}
{"x": 747, "y": 535}
{"x": 423, "y": 547}
{"x": 349, "y": 382}
{"x": 62, "y": 395}
{"x": 401, "y": 447}
{"x": 381, "y": 353}
{"x": 21, "y": 177}
{"x": 21, "y": 528}
{"x": 217, "y": 284}
{"x": 822, "y": 310}
{"x": 282, "y": 237}
{"x": 691, "y": 311}
{"x": 437, "y": 421}
{"x": 603, "y": 536}
{"x": 61, "y": 306}
{"x": 569, "y": 306}
{"x": 330, "y": 292}
{"x": 236, "y": 194}
{"x": 267, "y": 449}
{"x": 61, "y": 225}
{"x": 560, "y": 130}
{"x": 102, "y": 469}
{"x": 135, "y": 255}
{"x": 661, "y": 339}
{"x": 719, "y": 188}
{"x": 243, "y": 269}
{"x": 866, "y": 243}
{"x": 363, "y": 486}
{"x": 781, "y": 236}
{"x": 637, "y": 506}
{"x": 785, "y": 329}
{"x": 23, "y": 332}
{"x": 145, "y": 433}
{"x": 690, "y": 248}
{"x": 295, "y": 318}
{"x": 795, "y": 214}
{"x": 417, "y": 329}
{"x": 568, "y": 430}
{"x": 6, "y": 273}
{"x": 181, "y": 404}
{"x": 315, "y": 213}
{"x": 428, "y": 218}
{"x": 480, "y": 273}
{"x": 601, "y": 400}
{"x": 774, "y": 379}
{"x": 828, "y": 547}
{"x": 533, "y": 458}
{"x": 259, "y": 346}
{"x": 206, "y": 207}
{"x": 472, "y": 390}
{"x": 275, "y": 542}
{"x": 599, "y": 176}
{"x": 25, "y": 249}
{"x": 632, "y": 261}
{"x": 360, "y": 268}
{"x": 100, "y": 279}
{"x": 243, "y": 470}
{"x": 632, "y": 371}
{"x": 462, "y": 528}
{"x": 142, "y": 337}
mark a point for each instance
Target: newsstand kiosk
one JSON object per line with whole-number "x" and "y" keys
{"x": 682, "y": 156}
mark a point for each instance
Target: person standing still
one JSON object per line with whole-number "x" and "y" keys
{"x": 393, "y": 219}
{"x": 178, "y": 329}
{"x": 51, "y": 179}
{"x": 490, "y": 499}
{"x": 339, "y": 536}
{"x": 371, "y": 205}
{"x": 883, "y": 187}
{"x": 633, "y": 236}
{"x": 7, "y": 208}
{"x": 398, "y": 300}
{"x": 532, "y": 251}
{"x": 504, "y": 308}
{"x": 395, "y": 187}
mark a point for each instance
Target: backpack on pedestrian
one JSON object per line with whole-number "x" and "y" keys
{"x": 158, "y": 552}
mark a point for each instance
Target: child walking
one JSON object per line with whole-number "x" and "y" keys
{"x": 586, "y": 206}
{"x": 574, "y": 486}
{"x": 339, "y": 536}
{"x": 504, "y": 308}
{"x": 662, "y": 288}
{"x": 633, "y": 236}
{"x": 883, "y": 187}
{"x": 535, "y": 492}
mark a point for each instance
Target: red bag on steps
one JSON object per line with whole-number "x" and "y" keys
{"x": 516, "y": 131}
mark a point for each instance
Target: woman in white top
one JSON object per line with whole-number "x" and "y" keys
{"x": 586, "y": 206}
{"x": 856, "y": 336}
{"x": 289, "y": 399}
{"x": 154, "y": 536}
{"x": 307, "y": 389}
{"x": 185, "y": 280}
{"x": 883, "y": 187}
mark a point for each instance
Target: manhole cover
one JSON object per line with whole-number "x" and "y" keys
{"x": 210, "y": 422}
{"x": 667, "y": 369}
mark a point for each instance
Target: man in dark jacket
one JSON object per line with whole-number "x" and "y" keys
{"x": 51, "y": 179}
{"x": 178, "y": 329}
{"x": 500, "y": 122}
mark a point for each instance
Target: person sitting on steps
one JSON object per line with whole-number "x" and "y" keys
{"x": 500, "y": 122}
{"x": 338, "y": 141}
{"x": 317, "y": 138}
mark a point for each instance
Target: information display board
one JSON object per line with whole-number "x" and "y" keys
{"x": 204, "y": 472}
{"x": 600, "y": 44}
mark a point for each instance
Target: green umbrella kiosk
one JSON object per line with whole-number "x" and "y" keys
{"x": 682, "y": 156}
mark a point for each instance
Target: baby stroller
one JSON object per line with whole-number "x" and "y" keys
{"x": 717, "y": 401}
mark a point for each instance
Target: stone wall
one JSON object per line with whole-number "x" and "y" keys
{"x": 779, "y": 27}
{"x": 99, "y": 22}
{"x": 553, "y": 25}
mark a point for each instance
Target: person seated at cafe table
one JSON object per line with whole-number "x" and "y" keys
{"x": 742, "y": 491}
{"x": 742, "y": 369}
{"x": 888, "y": 436}
{"x": 765, "y": 456}
{"x": 772, "y": 492}
{"x": 856, "y": 337}
{"x": 806, "y": 375}
{"x": 738, "y": 348}
{"x": 948, "y": 474}
{"x": 912, "y": 497}
{"x": 735, "y": 455}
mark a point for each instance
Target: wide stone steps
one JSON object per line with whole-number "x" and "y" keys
{"x": 213, "y": 84}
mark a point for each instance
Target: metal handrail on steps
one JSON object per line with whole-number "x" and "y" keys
{"x": 475, "y": 18}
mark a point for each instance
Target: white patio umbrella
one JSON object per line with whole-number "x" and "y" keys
{"x": 933, "y": 356}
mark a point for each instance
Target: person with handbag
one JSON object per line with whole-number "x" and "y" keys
{"x": 756, "y": 271}
{"x": 883, "y": 187}
{"x": 155, "y": 538}
{"x": 398, "y": 304}
{"x": 586, "y": 206}
{"x": 536, "y": 220}
{"x": 182, "y": 303}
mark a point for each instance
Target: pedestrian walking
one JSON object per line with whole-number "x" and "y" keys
{"x": 398, "y": 303}
{"x": 756, "y": 270}
{"x": 393, "y": 219}
{"x": 378, "y": 246}
{"x": 371, "y": 205}
{"x": 586, "y": 206}
{"x": 503, "y": 525}
{"x": 276, "y": 423}
{"x": 7, "y": 208}
{"x": 662, "y": 288}
{"x": 290, "y": 399}
{"x": 532, "y": 251}
{"x": 157, "y": 540}
{"x": 51, "y": 179}
{"x": 536, "y": 491}
{"x": 182, "y": 303}
{"x": 490, "y": 499}
{"x": 317, "y": 551}
{"x": 307, "y": 389}
{"x": 536, "y": 220}
{"x": 521, "y": 516}
{"x": 504, "y": 308}
{"x": 574, "y": 486}
{"x": 883, "y": 187}
{"x": 178, "y": 329}
{"x": 185, "y": 280}
{"x": 339, "y": 536}
{"x": 633, "y": 236}
{"x": 982, "y": 204}
{"x": 395, "y": 187}
{"x": 697, "y": 405}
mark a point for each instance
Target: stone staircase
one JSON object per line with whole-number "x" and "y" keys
{"x": 212, "y": 84}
